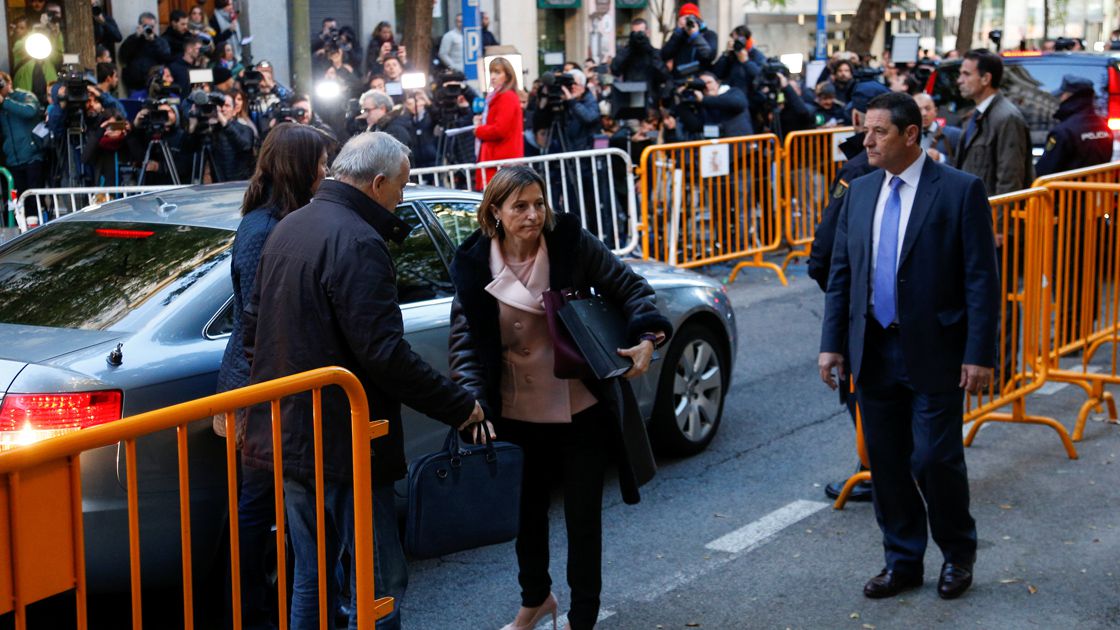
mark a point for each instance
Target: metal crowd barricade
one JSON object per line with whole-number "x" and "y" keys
{"x": 712, "y": 201}
{"x": 1085, "y": 292}
{"x": 810, "y": 161}
{"x": 1024, "y": 220}
{"x": 598, "y": 185}
{"x": 52, "y": 203}
{"x": 42, "y": 546}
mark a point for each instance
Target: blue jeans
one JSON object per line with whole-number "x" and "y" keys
{"x": 390, "y": 571}
{"x": 255, "y": 517}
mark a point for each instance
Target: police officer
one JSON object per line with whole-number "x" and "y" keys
{"x": 1081, "y": 137}
{"x": 820, "y": 257}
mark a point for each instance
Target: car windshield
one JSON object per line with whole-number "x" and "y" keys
{"x": 92, "y": 276}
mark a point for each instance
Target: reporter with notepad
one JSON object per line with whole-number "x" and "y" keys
{"x": 502, "y": 352}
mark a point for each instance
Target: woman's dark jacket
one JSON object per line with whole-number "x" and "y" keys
{"x": 576, "y": 260}
{"x": 326, "y": 295}
{"x": 253, "y": 231}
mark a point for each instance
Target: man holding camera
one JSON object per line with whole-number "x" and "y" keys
{"x": 581, "y": 113}
{"x": 639, "y": 61}
{"x": 740, "y": 65}
{"x": 715, "y": 111}
{"x": 691, "y": 41}
{"x": 141, "y": 51}
{"x": 105, "y": 30}
{"x": 232, "y": 144}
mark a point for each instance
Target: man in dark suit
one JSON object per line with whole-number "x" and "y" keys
{"x": 913, "y": 295}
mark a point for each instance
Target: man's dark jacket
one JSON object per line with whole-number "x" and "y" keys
{"x": 640, "y": 61}
{"x": 820, "y": 256}
{"x": 947, "y": 282}
{"x": 107, "y": 34}
{"x": 583, "y": 122}
{"x": 1080, "y": 139}
{"x": 730, "y": 111}
{"x": 177, "y": 41}
{"x": 576, "y": 260}
{"x": 398, "y": 123}
{"x": 233, "y": 151}
{"x": 999, "y": 152}
{"x": 683, "y": 49}
{"x": 138, "y": 55}
{"x": 325, "y": 295}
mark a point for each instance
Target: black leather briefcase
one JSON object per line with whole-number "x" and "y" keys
{"x": 462, "y": 497}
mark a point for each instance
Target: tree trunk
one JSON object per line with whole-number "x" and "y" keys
{"x": 1045, "y": 20}
{"x": 966, "y": 25}
{"x": 417, "y": 27}
{"x": 78, "y": 33}
{"x": 864, "y": 25}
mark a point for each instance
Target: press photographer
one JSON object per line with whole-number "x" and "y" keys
{"x": 298, "y": 110}
{"x": 709, "y": 110}
{"x": 451, "y": 109}
{"x": 783, "y": 110}
{"x": 217, "y": 139}
{"x": 571, "y": 111}
{"x": 23, "y": 150}
{"x": 157, "y": 135}
{"x": 691, "y": 41}
{"x": 77, "y": 107}
{"x": 639, "y": 61}
{"x": 740, "y": 65}
{"x": 141, "y": 51}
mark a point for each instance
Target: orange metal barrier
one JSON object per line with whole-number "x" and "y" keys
{"x": 810, "y": 162}
{"x": 42, "y": 549}
{"x": 861, "y": 449}
{"x": 1085, "y": 291}
{"x": 1024, "y": 221}
{"x": 712, "y": 201}
{"x": 1100, "y": 174}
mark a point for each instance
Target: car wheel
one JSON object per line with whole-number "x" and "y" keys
{"x": 690, "y": 391}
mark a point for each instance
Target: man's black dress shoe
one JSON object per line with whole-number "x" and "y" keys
{"x": 955, "y": 580}
{"x": 890, "y": 583}
{"x": 860, "y": 492}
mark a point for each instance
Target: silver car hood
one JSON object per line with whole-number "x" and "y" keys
{"x": 662, "y": 276}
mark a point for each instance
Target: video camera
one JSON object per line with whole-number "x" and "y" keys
{"x": 283, "y": 112}
{"x": 450, "y": 87}
{"x": 205, "y": 104}
{"x": 554, "y": 84}
{"x": 865, "y": 73}
{"x": 681, "y": 93}
{"x": 157, "y": 120}
{"x": 76, "y": 80}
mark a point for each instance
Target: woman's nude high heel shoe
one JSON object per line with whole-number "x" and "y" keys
{"x": 549, "y": 606}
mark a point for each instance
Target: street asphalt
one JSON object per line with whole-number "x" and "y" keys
{"x": 742, "y": 535}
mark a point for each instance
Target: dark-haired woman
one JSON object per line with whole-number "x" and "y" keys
{"x": 292, "y": 163}
{"x": 501, "y": 351}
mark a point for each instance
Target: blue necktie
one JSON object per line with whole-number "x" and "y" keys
{"x": 973, "y": 125}
{"x": 885, "y": 260}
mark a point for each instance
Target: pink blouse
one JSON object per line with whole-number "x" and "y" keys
{"x": 530, "y": 390}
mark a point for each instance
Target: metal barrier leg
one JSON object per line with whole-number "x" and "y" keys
{"x": 1019, "y": 415}
{"x": 802, "y": 252}
{"x": 1097, "y": 396}
{"x": 858, "y": 478}
{"x": 758, "y": 262}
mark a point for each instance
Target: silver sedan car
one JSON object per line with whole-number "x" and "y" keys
{"x": 127, "y": 307}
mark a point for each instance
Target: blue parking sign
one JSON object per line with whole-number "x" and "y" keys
{"x": 472, "y": 39}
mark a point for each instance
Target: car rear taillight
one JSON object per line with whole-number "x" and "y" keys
{"x": 29, "y": 418}
{"x": 1114, "y": 98}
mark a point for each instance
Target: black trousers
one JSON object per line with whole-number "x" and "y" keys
{"x": 573, "y": 456}
{"x": 916, "y": 453}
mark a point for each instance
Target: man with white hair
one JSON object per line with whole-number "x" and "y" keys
{"x": 381, "y": 114}
{"x": 583, "y": 119}
{"x": 326, "y": 295}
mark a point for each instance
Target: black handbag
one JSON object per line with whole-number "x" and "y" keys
{"x": 462, "y": 497}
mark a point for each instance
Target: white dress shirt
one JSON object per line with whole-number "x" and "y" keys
{"x": 906, "y": 192}
{"x": 983, "y": 105}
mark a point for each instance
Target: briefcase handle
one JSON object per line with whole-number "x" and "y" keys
{"x": 456, "y": 451}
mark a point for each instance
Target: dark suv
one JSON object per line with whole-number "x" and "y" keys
{"x": 1028, "y": 80}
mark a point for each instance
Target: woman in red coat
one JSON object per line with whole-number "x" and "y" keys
{"x": 500, "y": 129}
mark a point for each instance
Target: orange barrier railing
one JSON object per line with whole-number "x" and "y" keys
{"x": 1108, "y": 173}
{"x": 1085, "y": 292}
{"x": 1023, "y": 221}
{"x": 712, "y": 201}
{"x": 42, "y": 546}
{"x": 810, "y": 161}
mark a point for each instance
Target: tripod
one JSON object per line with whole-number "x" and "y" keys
{"x": 556, "y": 130}
{"x": 202, "y": 158}
{"x": 165, "y": 152}
{"x": 75, "y": 145}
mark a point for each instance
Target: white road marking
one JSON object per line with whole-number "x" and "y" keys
{"x": 754, "y": 534}
{"x": 736, "y": 544}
